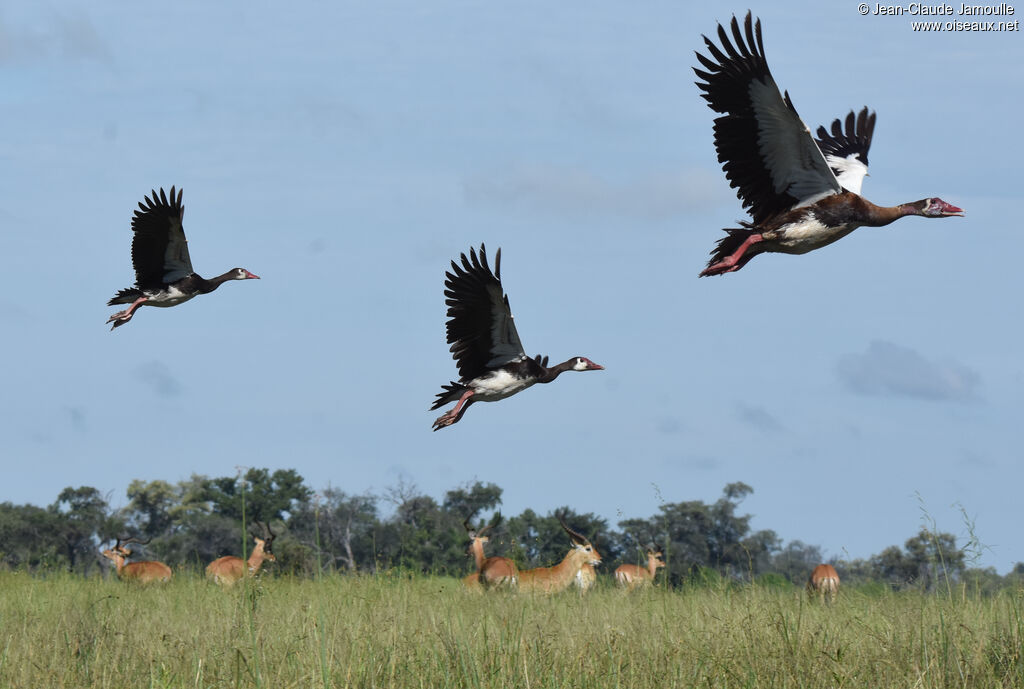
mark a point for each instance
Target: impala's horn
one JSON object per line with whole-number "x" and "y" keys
{"x": 268, "y": 535}
{"x": 495, "y": 520}
{"x": 122, "y": 542}
{"x": 576, "y": 536}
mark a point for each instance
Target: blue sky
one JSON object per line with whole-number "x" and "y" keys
{"x": 345, "y": 152}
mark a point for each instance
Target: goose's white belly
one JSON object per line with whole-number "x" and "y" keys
{"x": 170, "y": 296}
{"x": 497, "y": 386}
{"x": 809, "y": 234}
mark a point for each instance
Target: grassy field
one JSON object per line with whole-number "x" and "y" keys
{"x": 66, "y": 631}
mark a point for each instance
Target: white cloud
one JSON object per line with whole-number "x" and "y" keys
{"x": 77, "y": 418}
{"x": 71, "y": 36}
{"x": 18, "y": 45}
{"x": 78, "y": 38}
{"x": 158, "y": 377}
{"x": 669, "y": 424}
{"x": 758, "y": 417}
{"x": 890, "y": 369}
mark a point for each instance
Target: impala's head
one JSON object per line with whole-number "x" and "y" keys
{"x": 584, "y": 364}
{"x": 581, "y": 545}
{"x": 114, "y": 554}
{"x": 936, "y": 208}
{"x": 264, "y": 543}
{"x": 481, "y": 534}
{"x": 263, "y": 546}
{"x": 655, "y": 556}
{"x": 243, "y": 274}
{"x": 121, "y": 551}
{"x": 476, "y": 538}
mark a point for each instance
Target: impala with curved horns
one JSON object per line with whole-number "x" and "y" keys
{"x": 823, "y": 583}
{"x": 229, "y": 569}
{"x": 566, "y": 572}
{"x": 144, "y": 572}
{"x": 630, "y": 577}
{"x": 476, "y": 549}
{"x": 490, "y": 571}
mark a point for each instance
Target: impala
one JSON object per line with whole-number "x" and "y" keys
{"x": 476, "y": 549}
{"x": 630, "y": 577}
{"x": 229, "y": 569}
{"x": 824, "y": 583}
{"x": 562, "y": 575}
{"x": 490, "y": 571}
{"x": 144, "y": 572}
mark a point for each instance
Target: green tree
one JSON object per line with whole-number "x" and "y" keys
{"x": 694, "y": 536}
{"x": 760, "y": 549}
{"x": 632, "y": 542}
{"x": 892, "y": 567}
{"x": 983, "y": 581}
{"x": 261, "y": 495}
{"x": 727, "y": 530}
{"x": 31, "y": 537}
{"x": 84, "y": 524}
{"x": 150, "y": 506}
{"x": 796, "y": 560}
{"x": 429, "y": 538}
{"x": 928, "y": 560}
{"x": 472, "y": 500}
{"x": 341, "y": 528}
{"x": 541, "y": 541}
{"x": 200, "y": 538}
{"x": 935, "y": 558}
{"x": 686, "y": 526}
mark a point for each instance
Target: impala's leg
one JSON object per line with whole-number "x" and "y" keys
{"x": 448, "y": 418}
{"x": 732, "y": 261}
{"x": 122, "y": 317}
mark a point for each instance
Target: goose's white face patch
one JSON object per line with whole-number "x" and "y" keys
{"x": 581, "y": 364}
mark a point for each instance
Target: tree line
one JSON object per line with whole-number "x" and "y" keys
{"x": 192, "y": 522}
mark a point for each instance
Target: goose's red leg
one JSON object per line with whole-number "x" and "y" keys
{"x": 732, "y": 261}
{"x": 448, "y": 418}
{"x": 122, "y": 317}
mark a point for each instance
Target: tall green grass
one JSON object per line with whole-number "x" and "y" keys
{"x": 401, "y": 631}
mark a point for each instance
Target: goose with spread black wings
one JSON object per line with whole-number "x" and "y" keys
{"x": 484, "y": 343}
{"x": 802, "y": 194}
{"x": 163, "y": 269}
